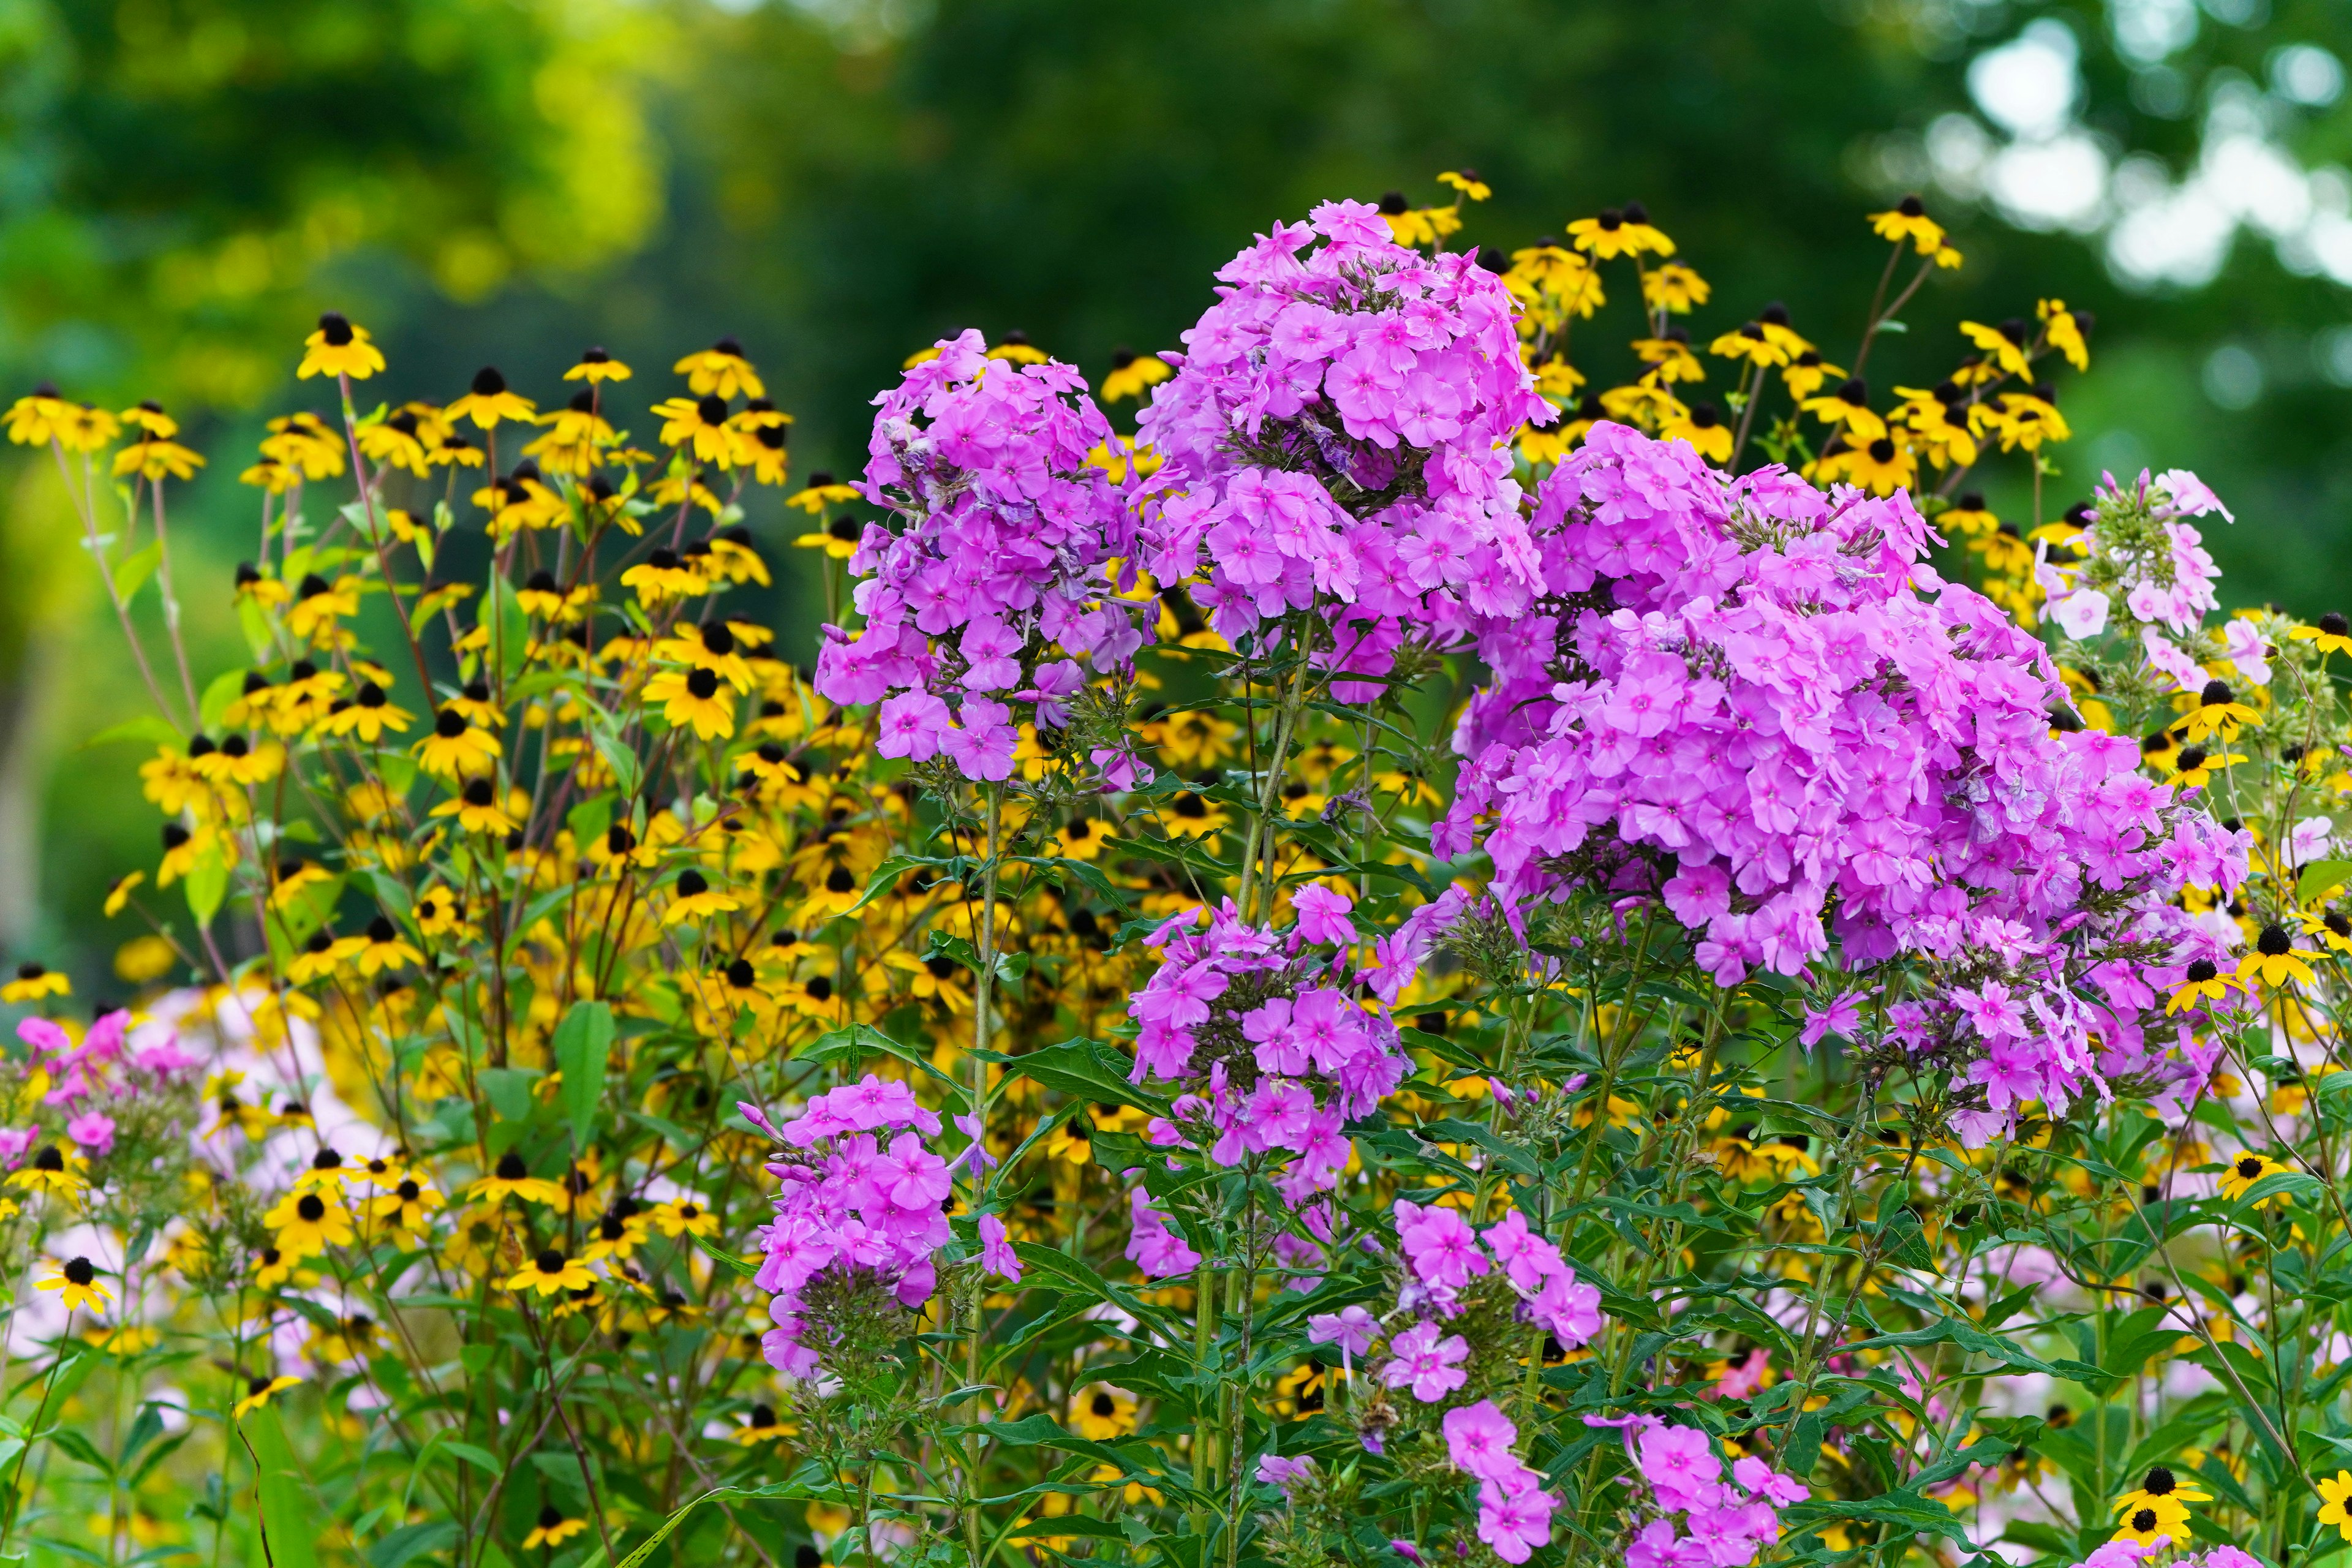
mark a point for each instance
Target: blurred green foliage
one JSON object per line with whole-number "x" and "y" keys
{"x": 838, "y": 182}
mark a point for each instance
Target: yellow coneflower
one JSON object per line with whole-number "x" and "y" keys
{"x": 662, "y": 575}
{"x": 550, "y": 1272}
{"x": 2204, "y": 983}
{"x": 1701, "y": 429}
{"x": 455, "y": 747}
{"x": 489, "y": 401}
{"x": 260, "y": 1391}
{"x": 76, "y": 1282}
{"x": 1130, "y": 375}
{"x": 1908, "y": 219}
{"x": 2245, "y": 1171}
{"x": 684, "y": 1217}
{"x": 2332, "y": 635}
{"x": 406, "y": 1209}
{"x": 1848, "y": 409}
{"x": 696, "y": 900}
{"x": 720, "y": 369}
{"x": 1673, "y": 287}
{"x": 2159, "y": 1486}
{"x": 1618, "y": 231}
{"x": 476, "y": 807}
{"x": 759, "y": 1426}
{"x": 2334, "y": 1495}
{"x": 35, "y": 981}
{"x": 510, "y": 1178}
{"x": 55, "y": 1169}
{"x": 338, "y": 347}
{"x": 596, "y": 366}
{"x": 306, "y": 1223}
{"x": 1747, "y": 343}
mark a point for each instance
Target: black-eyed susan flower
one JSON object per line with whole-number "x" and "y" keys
{"x": 489, "y": 401}
{"x": 2159, "y": 1485}
{"x": 2065, "y": 331}
{"x": 1774, "y": 321}
{"x": 2150, "y": 1523}
{"x": 1130, "y": 375}
{"x": 368, "y": 715}
{"x": 2333, "y": 1496}
{"x": 1848, "y": 409}
{"x": 727, "y": 554}
{"x": 394, "y": 439}
{"x": 1882, "y": 467}
{"x": 383, "y": 947}
{"x": 2274, "y": 960}
{"x": 684, "y": 1217}
{"x": 1082, "y": 840}
{"x": 338, "y": 347}
{"x": 85, "y": 428}
{"x": 305, "y": 1223}
{"x": 119, "y": 891}
{"x": 662, "y": 575}
{"x": 33, "y": 419}
{"x": 618, "y": 1234}
{"x": 155, "y": 455}
{"x": 1703, "y": 428}
{"x": 2003, "y": 346}
{"x": 302, "y": 442}
{"x": 695, "y": 900}
{"x": 701, "y": 426}
{"x": 1467, "y": 182}
{"x": 821, "y": 490}
{"x": 759, "y": 1426}
{"x": 2333, "y": 929}
{"x": 1805, "y": 375}
{"x": 1669, "y": 353}
{"x": 321, "y": 955}
{"x": 1673, "y": 287}
{"x": 1016, "y": 347}
{"x": 272, "y": 1268}
{"x": 596, "y": 366}
{"x": 2332, "y": 635}
{"x": 1907, "y": 220}
{"x": 696, "y": 699}
{"x": 2245, "y": 1171}
{"x": 406, "y": 1209}
{"x": 1747, "y": 343}
{"x": 319, "y": 605}
{"x": 76, "y": 1284}
{"x": 55, "y": 1169}
{"x": 2194, "y": 766}
{"x": 455, "y": 747}
{"x": 2027, "y": 419}
{"x": 2218, "y": 711}
{"x": 551, "y": 1271}
{"x": 34, "y": 982}
{"x": 1618, "y": 231}
{"x": 720, "y": 369}
{"x": 510, "y": 1178}
{"x": 1101, "y": 1412}
{"x": 476, "y": 807}
{"x": 260, "y": 1391}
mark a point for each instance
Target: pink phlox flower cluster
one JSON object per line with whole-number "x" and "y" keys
{"x": 1308, "y": 1057}
{"x": 2172, "y": 588}
{"x": 1513, "y": 1510}
{"x": 992, "y": 584}
{"x": 1442, "y": 1255}
{"x": 84, "y": 1076}
{"x": 850, "y": 1200}
{"x": 1337, "y": 433}
{"x": 1153, "y": 1245}
{"x": 1274, "y": 1470}
{"x": 1726, "y": 1519}
{"x": 1773, "y": 708}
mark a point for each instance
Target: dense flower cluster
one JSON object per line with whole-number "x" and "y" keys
{"x": 1756, "y": 702}
{"x": 1700, "y": 1518}
{"x": 1338, "y": 432}
{"x": 2157, "y": 563}
{"x": 1514, "y": 1509}
{"x": 1254, "y": 1022}
{"x": 74, "y": 1085}
{"x": 991, "y": 586}
{"x": 849, "y": 1203}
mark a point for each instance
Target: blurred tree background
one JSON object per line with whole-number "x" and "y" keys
{"x": 185, "y": 183}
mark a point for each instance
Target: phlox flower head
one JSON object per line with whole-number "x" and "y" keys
{"x": 987, "y": 586}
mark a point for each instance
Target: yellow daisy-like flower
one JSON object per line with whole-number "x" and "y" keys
{"x": 1671, "y": 355}
{"x": 1882, "y": 467}
{"x": 339, "y": 348}
{"x": 75, "y": 1283}
{"x": 618, "y": 1234}
{"x": 2163, "y": 1520}
{"x": 1131, "y": 374}
{"x": 696, "y": 900}
{"x": 34, "y": 418}
{"x": 35, "y": 981}
{"x": 2333, "y": 1496}
{"x": 684, "y": 1217}
{"x": 154, "y": 457}
{"x": 1703, "y": 428}
{"x": 551, "y": 1272}
{"x": 2195, "y": 766}
{"x": 1673, "y": 287}
{"x": 2245, "y": 1172}
{"x": 1102, "y": 1413}
{"x": 2333, "y": 634}
{"x": 1908, "y": 219}
{"x": 2275, "y": 960}
{"x": 489, "y": 401}
{"x": 1467, "y": 182}
{"x": 2063, "y": 330}
{"x": 2218, "y": 711}
{"x": 259, "y": 1392}
{"x": 510, "y": 1178}
{"x": 661, "y": 576}
{"x": 2204, "y": 983}
{"x": 55, "y": 1169}
{"x": 1848, "y": 408}
{"x": 1805, "y": 375}
{"x": 825, "y": 490}
{"x": 1016, "y": 347}
{"x": 406, "y": 1209}
{"x": 476, "y": 807}
{"x": 1618, "y": 231}
{"x": 307, "y": 1224}
{"x": 759, "y": 1426}
{"x": 85, "y": 428}
{"x": 2160, "y": 1485}
{"x": 596, "y": 366}
{"x": 552, "y": 1528}
{"x": 1748, "y": 343}
{"x": 695, "y": 699}
{"x": 119, "y": 894}
{"x": 722, "y": 369}
{"x": 2002, "y": 351}
{"x": 367, "y": 716}
{"x": 456, "y": 747}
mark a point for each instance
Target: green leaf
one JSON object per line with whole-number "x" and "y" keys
{"x": 2321, "y": 878}
{"x": 508, "y": 623}
{"x": 132, "y": 574}
{"x": 854, "y": 1044}
{"x": 81, "y": 1448}
{"x": 207, "y": 884}
{"x": 743, "y": 1266}
{"x": 287, "y": 1506}
{"x": 225, "y": 689}
{"x": 147, "y": 728}
{"x": 1089, "y": 1069}
{"x": 411, "y": 1541}
{"x": 583, "y": 1043}
{"x": 508, "y": 1090}
{"x": 481, "y": 1460}
{"x": 1968, "y": 1337}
